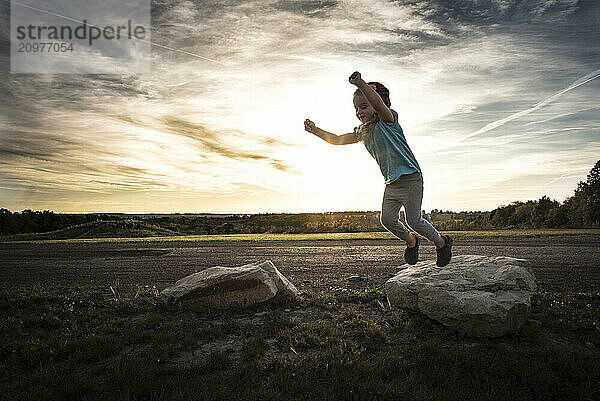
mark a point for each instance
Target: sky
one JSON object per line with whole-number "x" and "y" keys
{"x": 498, "y": 100}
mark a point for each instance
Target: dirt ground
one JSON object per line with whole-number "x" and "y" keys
{"x": 560, "y": 264}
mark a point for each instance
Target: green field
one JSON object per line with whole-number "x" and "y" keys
{"x": 535, "y": 233}
{"x": 118, "y": 344}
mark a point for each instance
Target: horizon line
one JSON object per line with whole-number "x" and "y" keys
{"x": 241, "y": 213}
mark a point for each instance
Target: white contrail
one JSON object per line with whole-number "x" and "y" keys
{"x": 556, "y": 179}
{"x": 587, "y": 78}
{"x": 102, "y": 29}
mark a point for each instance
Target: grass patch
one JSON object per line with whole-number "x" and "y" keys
{"x": 573, "y": 311}
{"x": 333, "y": 300}
{"x": 91, "y": 344}
{"x": 149, "y": 237}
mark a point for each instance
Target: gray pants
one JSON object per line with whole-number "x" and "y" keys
{"x": 406, "y": 191}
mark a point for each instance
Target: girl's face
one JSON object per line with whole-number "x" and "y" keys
{"x": 364, "y": 111}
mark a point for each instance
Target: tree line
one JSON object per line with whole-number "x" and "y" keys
{"x": 29, "y": 221}
{"x": 582, "y": 210}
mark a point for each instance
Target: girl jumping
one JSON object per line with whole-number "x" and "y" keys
{"x": 383, "y": 137}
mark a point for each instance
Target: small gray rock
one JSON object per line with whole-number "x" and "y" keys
{"x": 223, "y": 287}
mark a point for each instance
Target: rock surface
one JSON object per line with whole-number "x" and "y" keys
{"x": 223, "y": 287}
{"x": 476, "y": 295}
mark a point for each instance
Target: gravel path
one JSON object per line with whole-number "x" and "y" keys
{"x": 560, "y": 264}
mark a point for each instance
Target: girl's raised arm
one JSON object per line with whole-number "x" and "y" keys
{"x": 333, "y": 139}
{"x": 372, "y": 97}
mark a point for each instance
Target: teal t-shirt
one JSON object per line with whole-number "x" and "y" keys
{"x": 387, "y": 144}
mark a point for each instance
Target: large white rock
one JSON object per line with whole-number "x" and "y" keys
{"x": 476, "y": 295}
{"x": 223, "y": 287}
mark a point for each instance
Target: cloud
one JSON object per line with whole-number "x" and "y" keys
{"x": 311, "y": 8}
{"x": 487, "y": 12}
{"x": 17, "y": 144}
{"x": 212, "y": 141}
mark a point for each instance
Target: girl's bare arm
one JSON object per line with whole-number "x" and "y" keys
{"x": 329, "y": 137}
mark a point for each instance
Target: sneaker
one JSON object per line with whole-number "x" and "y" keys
{"x": 411, "y": 255}
{"x": 444, "y": 254}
